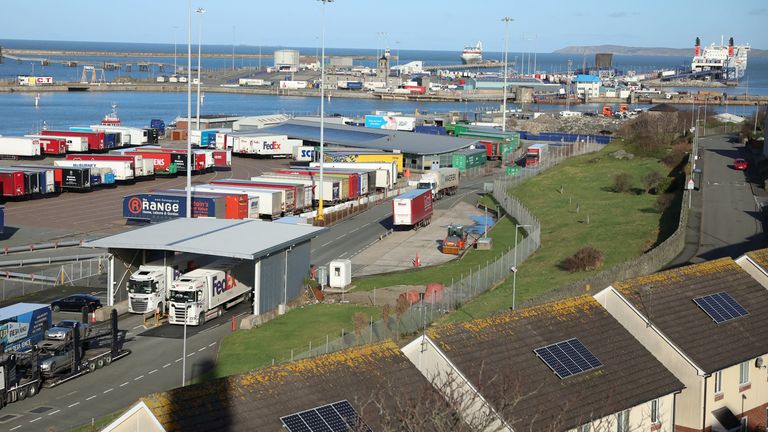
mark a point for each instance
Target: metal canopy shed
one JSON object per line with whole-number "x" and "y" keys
{"x": 273, "y": 248}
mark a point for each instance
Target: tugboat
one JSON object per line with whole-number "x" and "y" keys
{"x": 111, "y": 119}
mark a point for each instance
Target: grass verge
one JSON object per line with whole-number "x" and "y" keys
{"x": 100, "y": 422}
{"x": 577, "y": 208}
{"x": 250, "y": 349}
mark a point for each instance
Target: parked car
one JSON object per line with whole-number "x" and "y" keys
{"x": 63, "y": 330}
{"x": 75, "y": 303}
{"x": 740, "y": 164}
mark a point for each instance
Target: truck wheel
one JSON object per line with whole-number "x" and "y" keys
{"x": 219, "y": 313}
{"x": 107, "y": 360}
{"x": 91, "y": 366}
{"x": 99, "y": 363}
{"x": 201, "y": 319}
{"x": 22, "y": 393}
{"x": 33, "y": 390}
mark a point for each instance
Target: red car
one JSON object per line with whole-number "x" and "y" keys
{"x": 739, "y": 164}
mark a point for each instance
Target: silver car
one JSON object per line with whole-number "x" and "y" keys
{"x": 63, "y": 330}
{"x": 55, "y": 357}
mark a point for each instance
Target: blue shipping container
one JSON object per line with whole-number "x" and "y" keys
{"x": 23, "y": 325}
{"x": 431, "y": 130}
{"x": 159, "y": 207}
{"x": 112, "y": 140}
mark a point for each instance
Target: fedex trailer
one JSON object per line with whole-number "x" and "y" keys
{"x": 265, "y": 145}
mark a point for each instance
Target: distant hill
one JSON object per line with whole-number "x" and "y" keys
{"x": 641, "y": 51}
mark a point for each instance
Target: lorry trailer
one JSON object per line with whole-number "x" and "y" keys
{"x": 74, "y": 143}
{"x": 535, "y": 154}
{"x": 302, "y": 193}
{"x": 46, "y": 177}
{"x": 17, "y": 147}
{"x": 412, "y": 209}
{"x": 331, "y": 188}
{"x": 141, "y": 168}
{"x": 384, "y": 173}
{"x": 30, "y": 179}
{"x": 442, "y": 182}
{"x": 271, "y": 204}
{"x": 95, "y": 139}
{"x": 23, "y": 325}
{"x": 123, "y": 169}
{"x": 206, "y": 292}
{"x": 265, "y": 145}
{"x": 172, "y": 204}
{"x": 290, "y": 196}
{"x": 12, "y": 184}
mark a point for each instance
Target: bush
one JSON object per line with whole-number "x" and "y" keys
{"x": 651, "y": 181}
{"x": 622, "y": 183}
{"x": 585, "y": 259}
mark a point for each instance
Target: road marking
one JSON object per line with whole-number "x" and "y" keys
{"x": 91, "y": 397}
{"x": 124, "y": 384}
{"x": 177, "y": 360}
{"x": 365, "y": 225}
{"x": 201, "y": 349}
{"x": 152, "y": 371}
{"x": 343, "y": 255}
{"x": 326, "y": 244}
{"x": 341, "y": 236}
{"x": 166, "y": 365}
{"x": 67, "y": 395}
{"x": 208, "y": 329}
{"x": 212, "y": 344}
{"x": 138, "y": 377}
{"x": 74, "y": 404}
{"x": 32, "y": 421}
{"x": 108, "y": 390}
{"x": 138, "y": 326}
{"x": 354, "y": 230}
{"x": 190, "y": 355}
{"x": 52, "y": 413}
{"x": 14, "y": 428}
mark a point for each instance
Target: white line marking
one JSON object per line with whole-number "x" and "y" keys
{"x": 138, "y": 377}
{"x": 177, "y": 360}
{"x": 108, "y": 390}
{"x": 32, "y": 421}
{"x": 365, "y": 225}
{"x": 66, "y": 395}
{"x": 91, "y": 397}
{"x": 326, "y": 244}
{"x": 201, "y": 349}
{"x": 343, "y": 255}
{"x": 212, "y": 344}
{"x": 74, "y": 404}
{"x": 166, "y": 365}
{"x": 14, "y": 428}
{"x": 354, "y": 230}
{"x": 124, "y": 384}
{"x": 341, "y": 236}
{"x": 138, "y": 326}
{"x": 52, "y": 413}
{"x": 190, "y": 355}
{"x": 152, "y": 371}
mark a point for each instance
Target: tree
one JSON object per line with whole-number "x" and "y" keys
{"x": 622, "y": 182}
{"x": 651, "y": 182}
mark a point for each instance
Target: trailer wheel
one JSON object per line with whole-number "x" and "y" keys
{"x": 91, "y": 366}
{"x": 107, "y": 360}
{"x": 22, "y": 393}
{"x": 99, "y": 363}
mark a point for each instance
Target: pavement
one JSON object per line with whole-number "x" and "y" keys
{"x": 398, "y": 250}
{"x": 726, "y": 218}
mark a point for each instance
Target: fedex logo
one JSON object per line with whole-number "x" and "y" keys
{"x": 221, "y": 286}
{"x": 274, "y": 145}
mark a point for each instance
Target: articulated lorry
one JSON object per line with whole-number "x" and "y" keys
{"x": 149, "y": 286}
{"x": 442, "y": 182}
{"x": 51, "y": 363}
{"x": 206, "y": 292}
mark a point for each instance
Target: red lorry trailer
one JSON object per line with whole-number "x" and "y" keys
{"x": 12, "y": 184}
{"x": 53, "y": 146}
{"x": 412, "y": 209}
{"x": 95, "y": 139}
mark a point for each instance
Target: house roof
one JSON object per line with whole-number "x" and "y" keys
{"x": 378, "y": 139}
{"x": 666, "y": 299}
{"x": 497, "y": 355}
{"x": 583, "y": 78}
{"x": 760, "y": 257}
{"x": 378, "y": 380}
{"x": 220, "y": 237}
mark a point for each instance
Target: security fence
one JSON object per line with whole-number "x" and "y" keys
{"x": 89, "y": 272}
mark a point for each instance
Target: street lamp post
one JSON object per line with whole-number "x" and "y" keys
{"x": 175, "y": 36}
{"x": 322, "y": 106}
{"x": 189, "y": 109}
{"x": 200, "y": 11}
{"x": 504, "y": 98}
{"x": 514, "y": 268}
{"x": 184, "y": 349}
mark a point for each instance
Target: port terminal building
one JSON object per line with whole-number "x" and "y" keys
{"x": 272, "y": 249}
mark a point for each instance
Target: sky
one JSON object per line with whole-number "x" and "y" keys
{"x": 541, "y": 26}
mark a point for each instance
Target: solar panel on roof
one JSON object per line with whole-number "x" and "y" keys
{"x": 721, "y": 307}
{"x": 336, "y": 417}
{"x": 568, "y": 358}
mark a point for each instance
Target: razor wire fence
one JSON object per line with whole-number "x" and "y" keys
{"x": 432, "y": 305}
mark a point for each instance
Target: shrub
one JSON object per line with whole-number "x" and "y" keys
{"x": 585, "y": 259}
{"x": 622, "y": 183}
{"x": 651, "y": 181}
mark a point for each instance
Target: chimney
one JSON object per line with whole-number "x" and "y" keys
{"x": 730, "y": 47}
{"x": 697, "y": 48}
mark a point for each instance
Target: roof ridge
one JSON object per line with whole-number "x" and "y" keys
{"x": 679, "y": 274}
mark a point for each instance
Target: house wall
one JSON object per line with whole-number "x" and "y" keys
{"x": 640, "y": 418}
{"x": 138, "y": 418}
{"x": 433, "y": 364}
{"x": 689, "y": 403}
{"x": 751, "y": 398}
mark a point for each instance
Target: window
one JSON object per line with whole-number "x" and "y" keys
{"x": 655, "y": 411}
{"x": 718, "y": 382}
{"x": 622, "y": 421}
{"x": 744, "y": 373}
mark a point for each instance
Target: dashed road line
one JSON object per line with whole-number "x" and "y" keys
{"x": 177, "y": 360}
{"x": 32, "y": 421}
{"x": 74, "y": 404}
{"x": 108, "y": 390}
{"x": 191, "y": 354}
{"x": 138, "y": 377}
{"x": 14, "y": 428}
{"x": 209, "y": 329}
{"x": 91, "y": 397}
{"x": 341, "y": 237}
{"x": 326, "y": 244}
{"x": 166, "y": 365}
{"x": 201, "y": 349}
{"x": 152, "y": 371}
{"x": 54, "y": 412}
{"x": 212, "y": 344}
{"x": 124, "y": 384}
{"x": 343, "y": 255}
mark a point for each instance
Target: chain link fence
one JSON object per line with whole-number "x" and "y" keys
{"x": 85, "y": 273}
{"x": 433, "y": 305}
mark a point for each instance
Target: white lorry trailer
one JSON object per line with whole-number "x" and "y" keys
{"x": 331, "y": 187}
{"x": 442, "y": 182}
{"x": 130, "y": 135}
{"x": 386, "y": 172}
{"x": 265, "y": 145}
{"x": 74, "y": 144}
{"x": 19, "y": 147}
{"x": 122, "y": 169}
{"x": 271, "y": 202}
{"x": 204, "y": 293}
{"x": 149, "y": 286}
